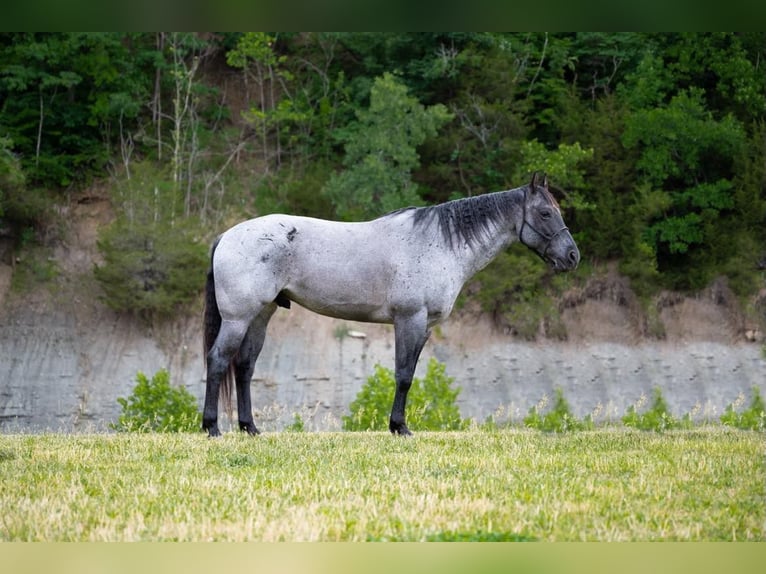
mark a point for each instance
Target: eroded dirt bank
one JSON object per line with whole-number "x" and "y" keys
{"x": 65, "y": 358}
{"x": 64, "y": 369}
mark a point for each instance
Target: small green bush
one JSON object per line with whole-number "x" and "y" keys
{"x": 511, "y": 290}
{"x": 430, "y": 402}
{"x": 657, "y": 417}
{"x": 558, "y": 419}
{"x": 156, "y": 406}
{"x": 150, "y": 268}
{"x": 752, "y": 418}
{"x": 298, "y": 424}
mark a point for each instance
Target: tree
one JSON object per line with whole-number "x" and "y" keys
{"x": 686, "y": 163}
{"x": 381, "y": 152}
{"x": 58, "y": 92}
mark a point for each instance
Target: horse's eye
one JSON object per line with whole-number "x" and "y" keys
{"x": 545, "y": 214}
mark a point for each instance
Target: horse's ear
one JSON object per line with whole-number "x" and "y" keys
{"x": 545, "y": 181}
{"x": 533, "y": 183}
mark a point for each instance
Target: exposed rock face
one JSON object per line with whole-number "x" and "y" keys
{"x": 65, "y": 358}
{"x": 65, "y": 371}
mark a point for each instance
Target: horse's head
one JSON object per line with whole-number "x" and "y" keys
{"x": 543, "y": 229}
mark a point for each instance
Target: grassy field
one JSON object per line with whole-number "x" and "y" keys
{"x": 708, "y": 484}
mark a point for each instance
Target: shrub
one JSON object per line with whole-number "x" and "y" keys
{"x": 430, "y": 402}
{"x": 511, "y": 289}
{"x": 150, "y": 268}
{"x": 156, "y": 406}
{"x": 558, "y": 419}
{"x": 154, "y": 254}
{"x": 752, "y": 418}
{"x": 657, "y": 417}
{"x": 298, "y": 424}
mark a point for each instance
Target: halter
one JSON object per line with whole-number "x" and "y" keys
{"x": 524, "y": 222}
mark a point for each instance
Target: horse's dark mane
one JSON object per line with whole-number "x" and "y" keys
{"x": 465, "y": 220}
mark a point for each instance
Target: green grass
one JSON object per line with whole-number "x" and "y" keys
{"x": 610, "y": 484}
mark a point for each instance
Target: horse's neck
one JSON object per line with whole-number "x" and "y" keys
{"x": 476, "y": 257}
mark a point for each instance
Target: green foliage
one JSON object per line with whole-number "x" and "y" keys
{"x": 511, "y": 289}
{"x": 56, "y": 90}
{"x": 298, "y": 424}
{"x": 381, "y": 152}
{"x": 562, "y": 165}
{"x": 34, "y": 266}
{"x": 272, "y": 118}
{"x": 156, "y": 406}
{"x": 11, "y": 175}
{"x": 557, "y": 419}
{"x": 153, "y": 259}
{"x": 22, "y": 207}
{"x": 430, "y": 402}
{"x": 656, "y": 418}
{"x": 655, "y": 141}
{"x": 150, "y": 269}
{"x": 687, "y": 157}
{"x": 751, "y": 418}
{"x": 296, "y": 192}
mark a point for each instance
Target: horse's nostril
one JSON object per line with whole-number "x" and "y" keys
{"x": 574, "y": 256}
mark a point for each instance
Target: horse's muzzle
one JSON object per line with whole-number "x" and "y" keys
{"x": 568, "y": 262}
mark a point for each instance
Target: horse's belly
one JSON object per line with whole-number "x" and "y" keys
{"x": 357, "y": 308}
{"x": 365, "y": 314}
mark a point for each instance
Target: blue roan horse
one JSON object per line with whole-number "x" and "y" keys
{"x": 405, "y": 268}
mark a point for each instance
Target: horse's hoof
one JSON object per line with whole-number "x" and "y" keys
{"x": 249, "y": 428}
{"x": 399, "y": 429}
{"x": 212, "y": 429}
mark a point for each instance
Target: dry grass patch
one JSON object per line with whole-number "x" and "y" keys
{"x": 506, "y": 485}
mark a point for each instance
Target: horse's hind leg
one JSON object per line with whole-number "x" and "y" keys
{"x": 223, "y": 351}
{"x": 244, "y": 365}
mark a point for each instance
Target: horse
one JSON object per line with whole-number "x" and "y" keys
{"x": 406, "y": 267}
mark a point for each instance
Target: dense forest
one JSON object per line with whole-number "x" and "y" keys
{"x": 655, "y": 145}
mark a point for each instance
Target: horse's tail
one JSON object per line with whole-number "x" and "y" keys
{"x": 212, "y": 326}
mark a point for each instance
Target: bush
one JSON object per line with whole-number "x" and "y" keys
{"x": 558, "y": 419}
{"x": 512, "y": 290}
{"x": 657, "y": 417}
{"x": 150, "y": 268}
{"x": 156, "y": 406}
{"x": 752, "y": 418}
{"x": 430, "y": 402}
{"x": 155, "y": 254}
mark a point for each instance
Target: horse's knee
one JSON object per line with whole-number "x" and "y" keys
{"x": 404, "y": 384}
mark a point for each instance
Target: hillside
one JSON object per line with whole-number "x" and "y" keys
{"x": 653, "y": 144}
{"x": 65, "y": 357}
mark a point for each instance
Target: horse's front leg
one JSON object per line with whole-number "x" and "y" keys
{"x": 410, "y": 334}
